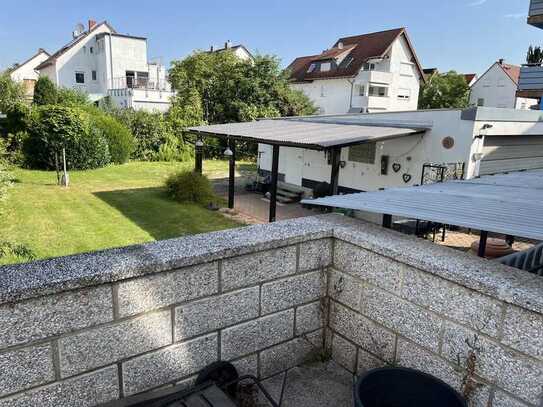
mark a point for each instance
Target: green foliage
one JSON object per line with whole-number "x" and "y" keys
{"x": 10, "y": 92}
{"x": 56, "y": 127}
{"x": 445, "y": 91}
{"x": 188, "y": 186}
{"x": 6, "y": 178}
{"x": 534, "y": 55}
{"x": 174, "y": 149}
{"x": 45, "y": 92}
{"x": 232, "y": 90}
{"x": 71, "y": 97}
{"x": 119, "y": 138}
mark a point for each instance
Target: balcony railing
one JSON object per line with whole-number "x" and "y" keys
{"x": 535, "y": 15}
{"x": 376, "y": 77}
{"x": 128, "y": 82}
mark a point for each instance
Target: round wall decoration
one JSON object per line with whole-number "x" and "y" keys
{"x": 448, "y": 142}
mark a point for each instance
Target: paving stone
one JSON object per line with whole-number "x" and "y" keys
{"x": 220, "y": 311}
{"x": 160, "y": 290}
{"x": 452, "y": 300}
{"x": 366, "y": 265}
{"x": 403, "y": 317}
{"x": 309, "y": 318}
{"x": 362, "y": 332}
{"x": 510, "y": 370}
{"x": 503, "y": 400}
{"x": 53, "y": 315}
{"x": 109, "y": 344}
{"x": 247, "y": 365}
{"x": 414, "y": 357}
{"x": 24, "y": 368}
{"x": 287, "y": 355}
{"x": 318, "y": 385}
{"x": 367, "y": 361}
{"x": 87, "y": 390}
{"x": 256, "y": 335}
{"x": 256, "y": 268}
{"x": 344, "y": 353}
{"x": 523, "y": 330}
{"x": 316, "y": 254}
{"x": 169, "y": 364}
{"x": 345, "y": 289}
{"x": 291, "y": 291}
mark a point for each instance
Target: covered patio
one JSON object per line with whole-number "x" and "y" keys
{"x": 509, "y": 204}
{"x": 318, "y": 133}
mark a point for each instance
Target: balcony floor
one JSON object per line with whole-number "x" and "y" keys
{"x": 316, "y": 385}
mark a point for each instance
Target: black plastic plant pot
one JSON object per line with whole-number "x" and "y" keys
{"x": 400, "y": 387}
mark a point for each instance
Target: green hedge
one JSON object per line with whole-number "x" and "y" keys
{"x": 119, "y": 138}
{"x": 53, "y": 128}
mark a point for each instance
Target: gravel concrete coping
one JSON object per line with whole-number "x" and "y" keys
{"x": 24, "y": 281}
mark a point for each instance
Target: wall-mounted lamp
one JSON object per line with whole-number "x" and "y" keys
{"x": 484, "y": 130}
{"x": 343, "y": 164}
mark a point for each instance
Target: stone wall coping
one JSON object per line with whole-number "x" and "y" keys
{"x": 29, "y": 280}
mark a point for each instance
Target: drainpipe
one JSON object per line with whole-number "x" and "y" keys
{"x": 110, "y": 61}
{"x": 351, "y": 96}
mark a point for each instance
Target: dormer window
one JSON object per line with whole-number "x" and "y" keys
{"x": 326, "y": 66}
{"x": 311, "y": 68}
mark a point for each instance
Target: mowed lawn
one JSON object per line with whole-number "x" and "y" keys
{"x": 110, "y": 207}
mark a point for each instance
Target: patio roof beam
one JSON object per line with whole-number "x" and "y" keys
{"x": 231, "y": 173}
{"x": 273, "y": 186}
{"x": 334, "y": 176}
{"x": 482, "y": 244}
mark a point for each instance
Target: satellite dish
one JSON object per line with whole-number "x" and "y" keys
{"x": 79, "y": 29}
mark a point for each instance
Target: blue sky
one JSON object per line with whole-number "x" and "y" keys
{"x": 465, "y": 35}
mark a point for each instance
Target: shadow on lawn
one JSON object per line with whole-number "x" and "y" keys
{"x": 153, "y": 211}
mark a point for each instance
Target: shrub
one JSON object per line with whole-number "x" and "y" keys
{"x": 56, "y": 127}
{"x": 71, "y": 97}
{"x": 11, "y": 92}
{"x": 5, "y": 176}
{"x": 119, "y": 138}
{"x": 188, "y": 186}
{"x": 174, "y": 150}
{"x": 45, "y": 92}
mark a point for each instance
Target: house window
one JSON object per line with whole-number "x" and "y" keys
{"x": 363, "y": 153}
{"x": 93, "y": 75}
{"x": 79, "y": 77}
{"x": 381, "y": 91}
{"x": 369, "y": 67}
{"x": 91, "y": 50}
{"x": 311, "y": 68}
{"x": 404, "y": 94}
{"x": 326, "y": 66}
{"x": 323, "y": 91}
{"x": 480, "y": 102}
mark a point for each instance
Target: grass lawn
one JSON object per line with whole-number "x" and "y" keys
{"x": 110, "y": 207}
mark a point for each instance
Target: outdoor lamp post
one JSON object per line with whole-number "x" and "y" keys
{"x": 230, "y": 154}
{"x": 199, "y": 146}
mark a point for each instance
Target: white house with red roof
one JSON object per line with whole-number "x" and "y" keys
{"x": 366, "y": 73}
{"x": 102, "y": 62}
{"x": 26, "y": 72}
{"x": 497, "y": 87}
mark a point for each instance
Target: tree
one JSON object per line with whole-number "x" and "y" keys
{"x": 45, "y": 92}
{"x": 11, "y": 92}
{"x": 71, "y": 97}
{"x": 534, "y": 55}
{"x": 444, "y": 91}
{"x": 233, "y": 90}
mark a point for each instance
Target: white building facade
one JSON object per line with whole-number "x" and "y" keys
{"x": 103, "y": 63}
{"x": 472, "y": 142}
{"x": 363, "y": 74}
{"x": 497, "y": 87}
{"x": 26, "y": 72}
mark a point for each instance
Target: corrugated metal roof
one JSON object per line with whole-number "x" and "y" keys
{"x": 307, "y": 133}
{"x": 511, "y": 204}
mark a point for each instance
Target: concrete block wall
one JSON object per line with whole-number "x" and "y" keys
{"x": 421, "y": 310}
{"x": 86, "y": 329}
{"x": 260, "y": 309}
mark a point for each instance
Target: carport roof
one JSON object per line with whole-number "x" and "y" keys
{"x": 310, "y": 133}
{"x": 511, "y": 204}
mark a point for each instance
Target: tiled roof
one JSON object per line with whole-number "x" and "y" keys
{"x": 469, "y": 77}
{"x": 361, "y": 47}
{"x": 513, "y": 71}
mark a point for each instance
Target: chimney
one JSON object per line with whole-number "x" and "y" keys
{"x": 211, "y": 49}
{"x": 500, "y": 61}
{"x": 92, "y": 24}
{"x": 228, "y": 44}
{"x": 340, "y": 45}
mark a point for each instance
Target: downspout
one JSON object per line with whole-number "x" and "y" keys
{"x": 110, "y": 62}
{"x": 351, "y": 96}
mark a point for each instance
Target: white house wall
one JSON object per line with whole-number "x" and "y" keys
{"x": 410, "y": 152}
{"x": 129, "y": 54}
{"x": 331, "y": 96}
{"x": 28, "y": 71}
{"x": 497, "y": 89}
